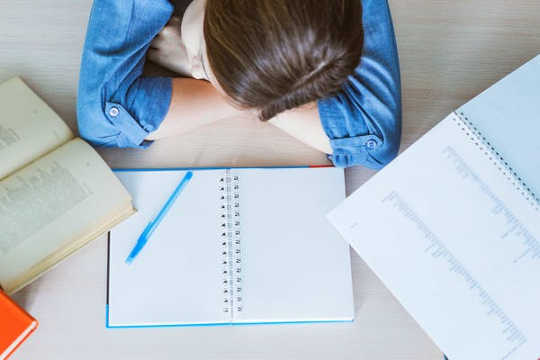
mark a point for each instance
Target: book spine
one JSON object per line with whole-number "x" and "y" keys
{"x": 231, "y": 242}
{"x": 483, "y": 144}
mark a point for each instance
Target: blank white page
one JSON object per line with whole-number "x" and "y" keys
{"x": 176, "y": 279}
{"x": 295, "y": 266}
{"x": 449, "y": 234}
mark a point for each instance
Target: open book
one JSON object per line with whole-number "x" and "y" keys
{"x": 452, "y": 226}
{"x": 56, "y": 193}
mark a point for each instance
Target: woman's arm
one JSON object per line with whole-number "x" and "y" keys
{"x": 304, "y": 124}
{"x": 362, "y": 124}
{"x": 116, "y": 105}
{"x": 194, "y": 103}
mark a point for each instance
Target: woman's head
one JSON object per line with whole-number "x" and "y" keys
{"x": 275, "y": 55}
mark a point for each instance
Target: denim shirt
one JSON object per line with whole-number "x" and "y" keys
{"x": 118, "y": 107}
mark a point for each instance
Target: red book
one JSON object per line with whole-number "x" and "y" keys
{"x": 15, "y": 326}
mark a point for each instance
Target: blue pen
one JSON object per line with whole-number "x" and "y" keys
{"x": 152, "y": 225}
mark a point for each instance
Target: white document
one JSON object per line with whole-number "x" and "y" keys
{"x": 453, "y": 228}
{"x": 455, "y": 242}
{"x": 276, "y": 260}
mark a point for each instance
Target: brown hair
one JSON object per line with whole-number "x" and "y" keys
{"x": 275, "y": 55}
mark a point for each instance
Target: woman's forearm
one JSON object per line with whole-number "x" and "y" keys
{"x": 304, "y": 124}
{"x": 194, "y": 103}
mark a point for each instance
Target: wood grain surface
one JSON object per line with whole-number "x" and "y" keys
{"x": 450, "y": 50}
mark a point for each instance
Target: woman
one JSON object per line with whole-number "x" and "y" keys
{"x": 301, "y": 64}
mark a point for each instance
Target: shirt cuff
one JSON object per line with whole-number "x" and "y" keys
{"x": 147, "y": 102}
{"x": 347, "y": 150}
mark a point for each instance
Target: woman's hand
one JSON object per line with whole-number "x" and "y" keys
{"x": 168, "y": 50}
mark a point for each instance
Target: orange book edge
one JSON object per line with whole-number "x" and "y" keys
{"x": 7, "y": 304}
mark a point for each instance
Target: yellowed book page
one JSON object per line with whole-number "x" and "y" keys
{"x": 29, "y": 128}
{"x": 49, "y": 207}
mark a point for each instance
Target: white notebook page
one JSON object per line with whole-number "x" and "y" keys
{"x": 451, "y": 237}
{"x": 295, "y": 265}
{"x": 176, "y": 278}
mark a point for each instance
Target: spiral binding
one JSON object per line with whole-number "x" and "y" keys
{"x": 230, "y": 238}
{"x": 496, "y": 158}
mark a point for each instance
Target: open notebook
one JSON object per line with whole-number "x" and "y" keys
{"x": 452, "y": 226}
{"x": 238, "y": 246}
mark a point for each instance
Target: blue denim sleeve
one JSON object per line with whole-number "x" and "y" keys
{"x": 363, "y": 121}
{"x": 116, "y": 105}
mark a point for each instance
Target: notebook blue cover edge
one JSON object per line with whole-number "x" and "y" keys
{"x": 109, "y": 326}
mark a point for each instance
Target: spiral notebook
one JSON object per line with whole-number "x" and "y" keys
{"x": 239, "y": 246}
{"x": 460, "y": 211}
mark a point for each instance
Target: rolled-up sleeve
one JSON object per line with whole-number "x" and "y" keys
{"x": 116, "y": 105}
{"x": 363, "y": 121}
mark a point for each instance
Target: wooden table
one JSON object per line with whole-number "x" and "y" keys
{"x": 450, "y": 50}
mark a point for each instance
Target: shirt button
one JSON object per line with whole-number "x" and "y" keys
{"x": 371, "y": 144}
{"x": 114, "y": 111}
